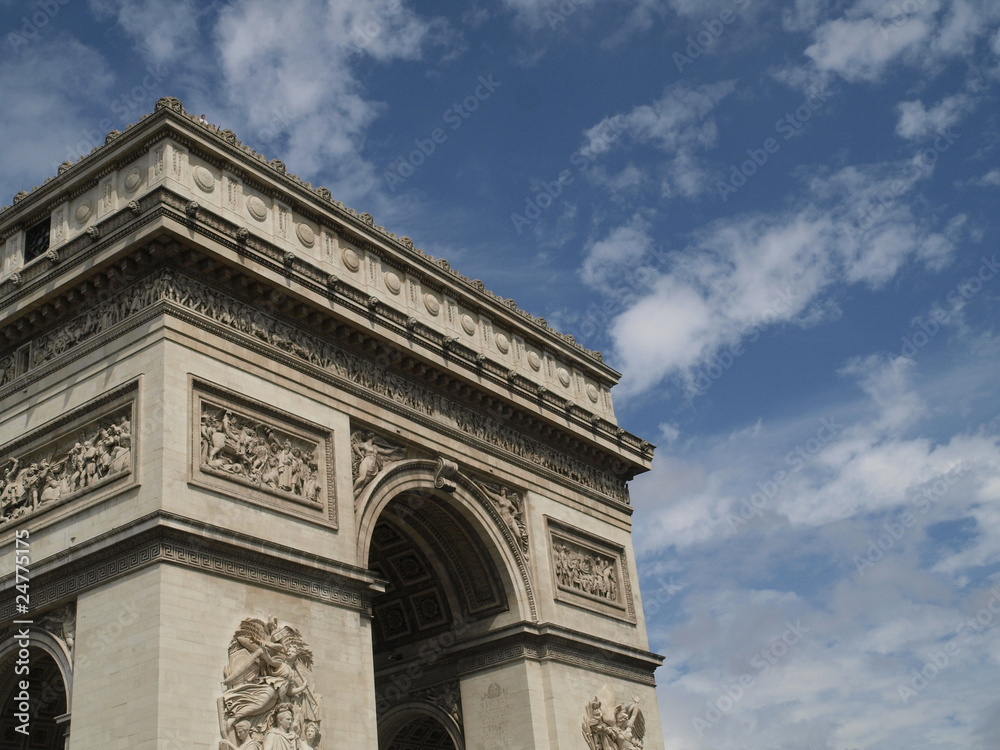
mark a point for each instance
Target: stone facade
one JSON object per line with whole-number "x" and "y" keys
{"x": 286, "y": 481}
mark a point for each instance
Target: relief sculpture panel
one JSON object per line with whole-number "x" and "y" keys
{"x": 262, "y": 455}
{"x": 65, "y": 462}
{"x": 589, "y": 572}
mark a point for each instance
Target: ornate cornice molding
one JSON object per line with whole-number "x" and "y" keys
{"x": 162, "y": 203}
{"x": 372, "y": 379}
{"x": 519, "y": 642}
{"x": 361, "y": 226}
{"x": 163, "y": 544}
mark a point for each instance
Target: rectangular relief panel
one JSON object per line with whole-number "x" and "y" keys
{"x": 589, "y": 572}
{"x": 89, "y": 452}
{"x": 250, "y": 450}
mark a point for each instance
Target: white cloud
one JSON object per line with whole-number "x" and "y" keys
{"x": 679, "y": 125}
{"x": 869, "y": 37}
{"x": 283, "y": 75}
{"x": 917, "y": 122}
{"x": 864, "y": 628}
{"x": 624, "y": 247}
{"x": 164, "y": 33}
{"x": 743, "y": 274}
{"x": 55, "y": 82}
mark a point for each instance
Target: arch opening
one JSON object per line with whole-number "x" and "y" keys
{"x": 421, "y": 733}
{"x": 444, "y": 583}
{"x": 46, "y": 703}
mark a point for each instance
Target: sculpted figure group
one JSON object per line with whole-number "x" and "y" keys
{"x": 268, "y": 703}
{"x": 27, "y": 484}
{"x": 253, "y": 451}
{"x": 585, "y": 571}
{"x": 624, "y": 729}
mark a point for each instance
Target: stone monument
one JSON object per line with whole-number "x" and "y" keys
{"x": 273, "y": 478}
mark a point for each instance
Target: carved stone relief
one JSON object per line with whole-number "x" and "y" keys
{"x": 611, "y": 725}
{"x": 510, "y": 504}
{"x": 589, "y": 572}
{"x": 72, "y": 463}
{"x": 370, "y": 454}
{"x": 60, "y": 623}
{"x": 268, "y": 698}
{"x": 254, "y": 451}
{"x": 580, "y": 569}
{"x": 250, "y": 320}
{"x": 495, "y": 717}
{"x": 247, "y": 449}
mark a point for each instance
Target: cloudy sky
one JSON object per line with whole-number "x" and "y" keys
{"x": 777, "y": 219}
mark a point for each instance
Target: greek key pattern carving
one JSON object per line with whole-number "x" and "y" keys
{"x": 261, "y": 570}
{"x": 369, "y": 374}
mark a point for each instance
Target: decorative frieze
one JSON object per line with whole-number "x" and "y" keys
{"x": 76, "y": 455}
{"x": 268, "y": 697}
{"x": 350, "y": 368}
{"x": 256, "y": 452}
{"x": 589, "y": 572}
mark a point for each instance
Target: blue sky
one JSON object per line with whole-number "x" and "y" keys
{"x": 777, "y": 220}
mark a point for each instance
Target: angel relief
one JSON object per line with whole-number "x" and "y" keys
{"x": 268, "y": 703}
{"x": 610, "y": 725}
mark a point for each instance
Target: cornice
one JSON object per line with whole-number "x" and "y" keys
{"x": 360, "y": 227}
{"x": 163, "y": 538}
{"x": 160, "y": 204}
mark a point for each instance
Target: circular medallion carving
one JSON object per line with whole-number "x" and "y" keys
{"x": 83, "y": 210}
{"x": 204, "y": 179}
{"x": 351, "y": 259}
{"x": 392, "y": 282}
{"x": 432, "y": 304}
{"x": 592, "y": 392}
{"x": 503, "y": 343}
{"x": 563, "y": 374}
{"x": 534, "y": 360}
{"x": 468, "y": 324}
{"x": 305, "y": 234}
{"x": 133, "y": 179}
{"x": 256, "y": 208}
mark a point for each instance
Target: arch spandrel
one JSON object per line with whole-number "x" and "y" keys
{"x": 418, "y": 477}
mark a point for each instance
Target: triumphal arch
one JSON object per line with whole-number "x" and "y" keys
{"x": 273, "y": 478}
